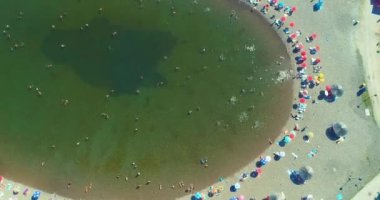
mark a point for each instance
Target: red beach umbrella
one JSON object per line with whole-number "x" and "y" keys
{"x": 314, "y": 35}
{"x": 303, "y": 65}
{"x": 302, "y": 100}
{"x": 304, "y": 57}
{"x": 274, "y": 1}
{"x": 259, "y": 171}
{"x": 292, "y": 136}
{"x": 1, "y": 179}
{"x": 293, "y": 36}
{"x": 328, "y": 87}
{"x": 301, "y": 46}
{"x": 318, "y": 60}
{"x": 310, "y": 78}
{"x": 292, "y": 24}
{"x": 283, "y": 18}
{"x": 303, "y": 53}
{"x": 294, "y": 8}
{"x": 317, "y": 48}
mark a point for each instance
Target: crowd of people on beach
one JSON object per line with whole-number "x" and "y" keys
{"x": 305, "y": 54}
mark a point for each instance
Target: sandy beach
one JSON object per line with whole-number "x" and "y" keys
{"x": 348, "y": 57}
{"x": 348, "y": 54}
{"x": 10, "y": 190}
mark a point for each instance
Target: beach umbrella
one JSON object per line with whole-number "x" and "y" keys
{"x": 316, "y": 61}
{"x": 303, "y": 65}
{"x": 16, "y": 190}
{"x": 301, "y": 46}
{"x": 310, "y": 134}
{"x": 293, "y": 36}
{"x": 268, "y": 159}
{"x": 259, "y": 171}
{"x": 1, "y": 179}
{"x": 302, "y": 100}
{"x": 294, "y": 8}
{"x": 292, "y": 24}
{"x": 339, "y": 196}
{"x": 306, "y": 172}
{"x": 274, "y": 1}
{"x": 283, "y": 18}
{"x": 276, "y": 196}
{"x": 328, "y": 87}
{"x": 36, "y": 195}
{"x": 304, "y": 57}
{"x": 340, "y": 129}
{"x": 314, "y": 35}
{"x": 303, "y": 53}
{"x": 198, "y": 195}
{"x": 281, "y": 4}
{"x": 337, "y": 90}
{"x": 317, "y": 48}
{"x": 233, "y": 198}
{"x": 287, "y": 139}
{"x": 310, "y": 78}
{"x": 237, "y": 186}
{"x": 280, "y": 154}
{"x": 241, "y": 197}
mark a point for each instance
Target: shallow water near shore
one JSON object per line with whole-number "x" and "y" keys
{"x": 185, "y": 81}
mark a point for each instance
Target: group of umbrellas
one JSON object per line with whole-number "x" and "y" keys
{"x": 334, "y": 91}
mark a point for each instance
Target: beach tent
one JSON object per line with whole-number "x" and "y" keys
{"x": 306, "y": 173}
{"x": 340, "y": 129}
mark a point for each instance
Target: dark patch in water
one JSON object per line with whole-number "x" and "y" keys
{"x": 113, "y": 62}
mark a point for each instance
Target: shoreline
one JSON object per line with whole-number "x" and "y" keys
{"x": 270, "y": 186}
{"x": 24, "y": 192}
{"x": 370, "y": 73}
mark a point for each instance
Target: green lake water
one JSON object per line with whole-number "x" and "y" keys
{"x": 182, "y": 86}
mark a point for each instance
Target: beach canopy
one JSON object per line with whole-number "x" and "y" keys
{"x": 340, "y": 129}
{"x": 306, "y": 173}
{"x": 337, "y": 90}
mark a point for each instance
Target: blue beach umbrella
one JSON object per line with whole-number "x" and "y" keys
{"x": 36, "y": 195}
{"x": 318, "y": 6}
{"x": 281, "y": 5}
{"x": 287, "y": 139}
{"x": 339, "y": 196}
